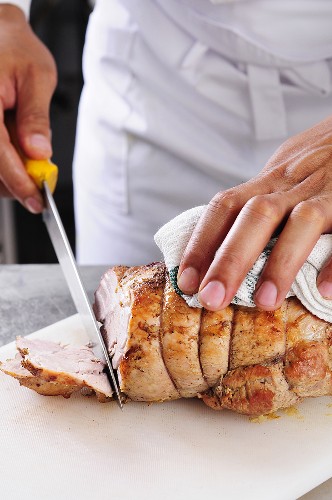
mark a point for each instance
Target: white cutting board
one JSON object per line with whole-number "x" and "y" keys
{"x": 57, "y": 449}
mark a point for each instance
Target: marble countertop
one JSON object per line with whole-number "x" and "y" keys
{"x": 35, "y": 296}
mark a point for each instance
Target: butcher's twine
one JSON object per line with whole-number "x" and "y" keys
{"x": 174, "y": 236}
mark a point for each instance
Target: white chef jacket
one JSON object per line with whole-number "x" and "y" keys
{"x": 183, "y": 98}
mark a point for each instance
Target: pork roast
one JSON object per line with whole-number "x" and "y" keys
{"x": 249, "y": 361}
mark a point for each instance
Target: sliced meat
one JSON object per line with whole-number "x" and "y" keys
{"x": 257, "y": 336}
{"x": 214, "y": 342}
{"x": 14, "y": 368}
{"x": 132, "y": 328}
{"x": 60, "y": 370}
{"x": 180, "y": 338}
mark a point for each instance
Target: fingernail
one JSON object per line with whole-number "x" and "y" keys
{"x": 325, "y": 289}
{"x": 33, "y": 205}
{"x": 188, "y": 281}
{"x": 212, "y": 295}
{"x": 40, "y": 142}
{"x": 266, "y": 294}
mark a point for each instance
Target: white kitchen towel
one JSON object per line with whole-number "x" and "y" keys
{"x": 172, "y": 240}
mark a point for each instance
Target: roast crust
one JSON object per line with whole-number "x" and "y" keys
{"x": 142, "y": 370}
{"x": 214, "y": 343}
{"x": 180, "y": 343}
{"x": 308, "y": 354}
{"x": 257, "y": 336}
{"x": 256, "y": 389}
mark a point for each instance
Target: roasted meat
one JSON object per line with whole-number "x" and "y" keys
{"x": 249, "y": 361}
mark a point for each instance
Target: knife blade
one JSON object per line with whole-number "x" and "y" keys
{"x": 45, "y": 175}
{"x": 69, "y": 268}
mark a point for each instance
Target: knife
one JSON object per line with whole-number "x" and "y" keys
{"x": 45, "y": 174}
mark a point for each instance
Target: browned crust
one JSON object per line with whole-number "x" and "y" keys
{"x": 263, "y": 375}
{"x": 307, "y": 369}
{"x": 248, "y": 390}
{"x": 308, "y": 361}
{"x": 214, "y": 342}
{"x": 255, "y": 390}
{"x": 180, "y": 338}
{"x": 142, "y": 371}
{"x": 212, "y": 400}
{"x": 302, "y": 325}
{"x": 257, "y": 336}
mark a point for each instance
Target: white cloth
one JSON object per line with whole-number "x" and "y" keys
{"x": 191, "y": 94}
{"x": 174, "y": 236}
{"x": 22, "y": 4}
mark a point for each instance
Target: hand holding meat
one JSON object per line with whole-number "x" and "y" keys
{"x": 27, "y": 82}
{"x": 243, "y": 359}
{"x": 292, "y": 196}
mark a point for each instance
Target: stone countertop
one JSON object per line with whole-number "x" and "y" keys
{"x": 35, "y": 296}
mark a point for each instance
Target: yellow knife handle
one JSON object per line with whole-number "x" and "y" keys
{"x": 42, "y": 170}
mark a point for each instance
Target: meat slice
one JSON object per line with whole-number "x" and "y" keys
{"x": 180, "y": 338}
{"x": 132, "y": 329}
{"x": 14, "y": 368}
{"x": 214, "y": 342}
{"x": 53, "y": 369}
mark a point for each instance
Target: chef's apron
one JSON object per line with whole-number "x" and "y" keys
{"x": 182, "y": 99}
